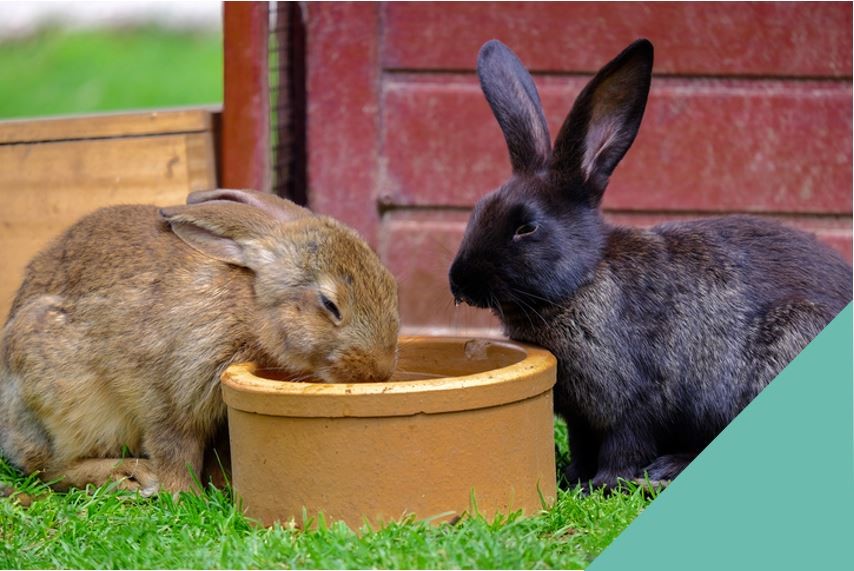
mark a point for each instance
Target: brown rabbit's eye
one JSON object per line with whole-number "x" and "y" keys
{"x": 525, "y": 229}
{"x": 330, "y": 307}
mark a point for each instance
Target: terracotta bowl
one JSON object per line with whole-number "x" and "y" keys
{"x": 462, "y": 419}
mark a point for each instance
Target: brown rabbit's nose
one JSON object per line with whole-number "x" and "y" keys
{"x": 373, "y": 375}
{"x": 363, "y": 366}
{"x": 384, "y": 368}
{"x": 375, "y": 378}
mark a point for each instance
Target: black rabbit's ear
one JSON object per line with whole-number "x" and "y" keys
{"x": 604, "y": 121}
{"x": 511, "y": 93}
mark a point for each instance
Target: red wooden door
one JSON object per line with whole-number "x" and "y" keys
{"x": 750, "y": 111}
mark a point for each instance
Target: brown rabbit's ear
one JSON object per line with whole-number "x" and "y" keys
{"x": 514, "y": 100}
{"x": 231, "y": 232}
{"x": 278, "y": 208}
{"x": 604, "y": 121}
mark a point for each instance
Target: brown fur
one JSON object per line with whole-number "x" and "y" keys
{"x": 120, "y": 331}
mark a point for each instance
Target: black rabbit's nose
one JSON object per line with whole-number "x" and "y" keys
{"x": 461, "y": 299}
{"x": 454, "y": 282}
{"x": 455, "y": 291}
{"x": 467, "y": 285}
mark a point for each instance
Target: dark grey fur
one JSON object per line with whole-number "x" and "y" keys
{"x": 662, "y": 335}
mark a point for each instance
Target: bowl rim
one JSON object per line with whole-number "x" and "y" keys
{"x": 530, "y": 377}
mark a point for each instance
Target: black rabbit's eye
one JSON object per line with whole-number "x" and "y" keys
{"x": 525, "y": 229}
{"x": 330, "y": 307}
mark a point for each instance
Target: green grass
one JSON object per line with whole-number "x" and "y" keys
{"x": 106, "y": 528}
{"x": 56, "y": 72}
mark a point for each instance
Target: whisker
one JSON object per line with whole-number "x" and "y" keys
{"x": 537, "y": 297}
{"x": 422, "y": 374}
{"x": 522, "y": 304}
{"x": 515, "y": 301}
{"x": 493, "y": 302}
{"x": 537, "y": 313}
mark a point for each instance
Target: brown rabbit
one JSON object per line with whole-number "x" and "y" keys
{"x": 113, "y": 349}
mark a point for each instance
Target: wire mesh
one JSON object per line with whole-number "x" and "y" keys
{"x": 288, "y": 100}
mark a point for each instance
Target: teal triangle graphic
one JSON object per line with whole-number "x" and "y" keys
{"x": 775, "y": 490}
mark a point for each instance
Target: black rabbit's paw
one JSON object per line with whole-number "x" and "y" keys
{"x": 665, "y": 468}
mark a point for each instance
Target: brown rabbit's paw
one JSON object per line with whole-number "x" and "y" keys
{"x": 136, "y": 475}
{"x": 178, "y": 484}
{"x": 132, "y": 474}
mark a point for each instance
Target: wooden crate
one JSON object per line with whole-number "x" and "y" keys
{"x": 53, "y": 171}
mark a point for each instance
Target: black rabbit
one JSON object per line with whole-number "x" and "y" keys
{"x": 662, "y": 335}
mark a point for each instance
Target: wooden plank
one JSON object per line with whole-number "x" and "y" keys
{"x": 797, "y": 39}
{"x": 201, "y": 162}
{"x": 45, "y": 187}
{"x": 344, "y": 112}
{"x": 105, "y": 125}
{"x": 245, "y": 150}
{"x": 418, "y": 247}
{"x": 714, "y": 145}
{"x": 835, "y": 231}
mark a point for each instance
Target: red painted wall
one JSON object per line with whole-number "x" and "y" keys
{"x": 750, "y": 111}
